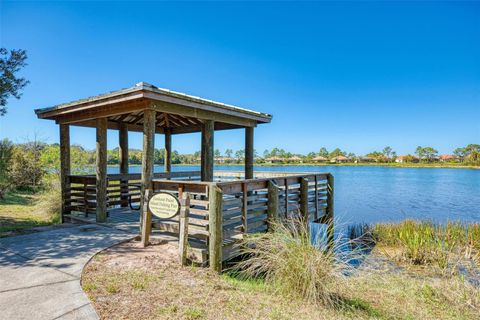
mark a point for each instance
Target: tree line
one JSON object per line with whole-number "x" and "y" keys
{"x": 25, "y": 164}
{"x": 468, "y": 154}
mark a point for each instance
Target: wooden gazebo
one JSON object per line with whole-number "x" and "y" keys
{"x": 216, "y": 213}
{"x": 148, "y": 109}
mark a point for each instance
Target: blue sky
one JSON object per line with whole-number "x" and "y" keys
{"x": 358, "y": 76}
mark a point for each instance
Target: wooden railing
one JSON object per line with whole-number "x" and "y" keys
{"x": 246, "y": 206}
{"x": 220, "y": 213}
{"x": 251, "y": 206}
{"x": 122, "y": 190}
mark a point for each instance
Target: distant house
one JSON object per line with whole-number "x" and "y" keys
{"x": 339, "y": 159}
{"x": 448, "y": 157}
{"x": 319, "y": 159}
{"x": 273, "y": 160}
{"x": 406, "y": 158}
{"x": 223, "y": 159}
{"x": 366, "y": 159}
{"x": 295, "y": 159}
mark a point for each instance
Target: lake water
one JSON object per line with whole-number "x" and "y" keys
{"x": 380, "y": 194}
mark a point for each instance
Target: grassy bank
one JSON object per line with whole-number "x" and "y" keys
{"x": 284, "y": 278}
{"x": 23, "y": 210}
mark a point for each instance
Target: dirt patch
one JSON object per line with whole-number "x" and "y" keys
{"x": 130, "y": 282}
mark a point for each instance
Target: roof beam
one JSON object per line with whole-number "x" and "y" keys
{"x": 75, "y": 107}
{"x": 160, "y": 98}
{"x": 187, "y": 111}
{"x": 114, "y": 125}
{"x": 102, "y": 112}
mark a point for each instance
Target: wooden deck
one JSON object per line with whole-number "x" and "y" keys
{"x": 128, "y": 220}
{"x": 118, "y": 218}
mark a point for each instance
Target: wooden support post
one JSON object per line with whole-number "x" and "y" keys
{"x": 168, "y": 150}
{"x": 272, "y": 204}
{"x": 85, "y": 198}
{"x": 249, "y": 153}
{"x": 183, "y": 233}
{"x": 304, "y": 201}
{"x": 329, "y": 213}
{"x": 123, "y": 160}
{"x": 215, "y": 223}
{"x": 101, "y": 170}
{"x": 64, "y": 167}
{"x": 286, "y": 198}
{"x": 315, "y": 217}
{"x": 148, "y": 150}
{"x": 146, "y": 225}
{"x": 123, "y": 147}
{"x": 244, "y": 207}
{"x": 207, "y": 150}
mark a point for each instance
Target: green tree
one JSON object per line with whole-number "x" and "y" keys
{"x": 460, "y": 152}
{"x": 472, "y": 148}
{"x": 240, "y": 155}
{"x": 50, "y": 158}
{"x": 378, "y": 156}
{"x": 113, "y": 156}
{"x": 337, "y": 152}
{"x": 323, "y": 152}
{"x": 217, "y": 153}
{"x": 176, "y": 159}
{"x": 11, "y": 62}
{"x": 228, "y": 153}
{"x": 388, "y": 153}
{"x": 26, "y": 166}
{"x": 81, "y": 160}
{"x": 159, "y": 156}
{"x": 311, "y": 155}
{"x": 426, "y": 153}
{"x": 419, "y": 152}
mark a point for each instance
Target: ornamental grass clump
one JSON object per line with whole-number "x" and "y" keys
{"x": 291, "y": 265}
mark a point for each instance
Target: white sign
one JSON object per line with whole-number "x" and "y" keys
{"x": 164, "y": 205}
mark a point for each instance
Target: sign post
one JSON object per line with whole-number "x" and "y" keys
{"x": 162, "y": 205}
{"x": 146, "y": 226}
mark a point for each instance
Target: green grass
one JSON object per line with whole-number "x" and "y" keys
{"x": 193, "y": 313}
{"x": 22, "y": 210}
{"x": 425, "y": 243}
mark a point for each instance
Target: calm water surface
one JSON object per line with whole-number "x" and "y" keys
{"x": 375, "y": 194}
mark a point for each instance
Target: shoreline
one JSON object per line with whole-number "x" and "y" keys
{"x": 389, "y": 165}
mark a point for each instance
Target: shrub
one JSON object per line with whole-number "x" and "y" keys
{"x": 26, "y": 169}
{"x": 288, "y": 262}
{"x": 6, "y": 152}
{"x": 50, "y": 203}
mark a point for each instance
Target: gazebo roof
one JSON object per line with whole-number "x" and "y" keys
{"x": 177, "y": 112}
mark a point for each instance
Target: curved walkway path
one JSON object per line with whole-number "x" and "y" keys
{"x": 40, "y": 272}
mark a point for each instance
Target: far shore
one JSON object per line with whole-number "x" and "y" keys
{"x": 349, "y": 164}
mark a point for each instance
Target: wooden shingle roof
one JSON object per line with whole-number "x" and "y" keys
{"x": 177, "y": 112}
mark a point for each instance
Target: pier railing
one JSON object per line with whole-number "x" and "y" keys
{"x": 122, "y": 190}
{"x": 219, "y": 214}
{"x": 222, "y": 213}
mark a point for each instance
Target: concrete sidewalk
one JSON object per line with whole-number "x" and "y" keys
{"x": 40, "y": 272}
